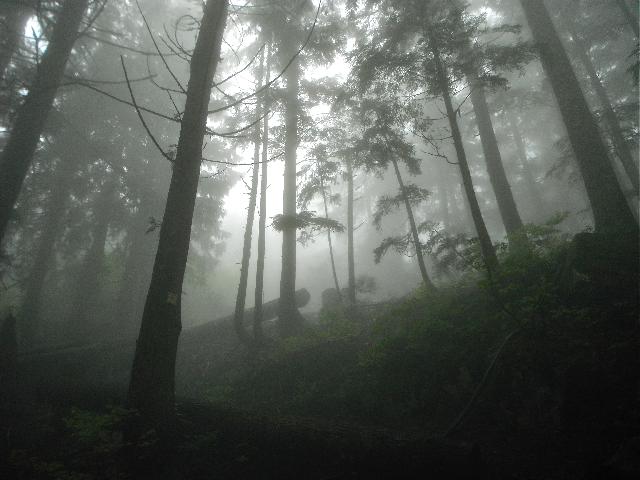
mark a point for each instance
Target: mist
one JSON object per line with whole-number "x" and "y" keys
{"x": 319, "y": 239}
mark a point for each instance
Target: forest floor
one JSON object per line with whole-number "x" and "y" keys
{"x": 555, "y": 389}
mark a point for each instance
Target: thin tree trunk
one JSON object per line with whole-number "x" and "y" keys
{"x": 88, "y": 284}
{"x": 617, "y": 138}
{"x": 290, "y": 320}
{"x": 630, "y": 17}
{"x": 238, "y": 320}
{"x": 521, "y": 151}
{"x": 262, "y": 221}
{"x": 331, "y": 256}
{"x": 495, "y": 168}
{"x": 25, "y": 134}
{"x": 610, "y": 209}
{"x": 29, "y": 324}
{"x": 152, "y": 385}
{"x": 351, "y": 286}
{"x": 414, "y": 229}
{"x": 486, "y": 247}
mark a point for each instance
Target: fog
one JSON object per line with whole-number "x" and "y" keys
{"x": 310, "y": 238}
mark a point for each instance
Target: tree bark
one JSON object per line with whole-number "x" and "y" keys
{"x": 351, "y": 286}
{"x": 29, "y": 324}
{"x": 31, "y": 117}
{"x": 241, "y": 296}
{"x": 486, "y": 247}
{"x": 414, "y": 229}
{"x": 610, "y": 209}
{"x": 617, "y": 138}
{"x": 495, "y": 168}
{"x": 152, "y": 384}
{"x": 262, "y": 221}
{"x": 290, "y": 320}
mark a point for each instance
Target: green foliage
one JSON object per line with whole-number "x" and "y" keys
{"x": 100, "y": 431}
{"x": 387, "y": 204}
{"x": 399, "y": 243}
{"x": 421, "y": 359}
{"x": 76, "y": 445}
{"x": 308, "y": 222}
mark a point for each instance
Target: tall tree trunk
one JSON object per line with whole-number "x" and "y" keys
{"x": 521, "y": 153}
{"x": 630, "y": 17}
{"x": 29, "y": 324}
{"x": 32, "y": 115}
{"x": 88, "y": 284}
{"x": 486, "y": 247}
{"x": 152, "y": 385}
{"x": 617, "y": 138}
{"x": 414, "y": 229}
{"x": 290, "y": 320}
{"x": 610, "y": 209}
{"x": 351, "y": 286}
{"x": 262, "y": 221}
{"x": 330, "y": 241}
{"x": 15, "y": 21}
{"x": 495, "y": 168}
{"x": 238, "y": 319}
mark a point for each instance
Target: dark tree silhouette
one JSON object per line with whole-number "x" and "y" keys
{"x": 442, "y": 78}
{"x": 609, "y": 206}
{"x": 18, "y": 153}
{"x": 152, "y": 385}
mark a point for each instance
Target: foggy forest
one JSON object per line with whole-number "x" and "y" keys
{"x": 319, "y": 239}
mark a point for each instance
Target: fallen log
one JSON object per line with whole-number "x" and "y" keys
{"x": 269, "y": 312}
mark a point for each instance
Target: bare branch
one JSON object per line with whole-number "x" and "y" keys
{"x": 142, "y": 120}
{"x": 277, "y": 77}
{"x": 155, "y": 44}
